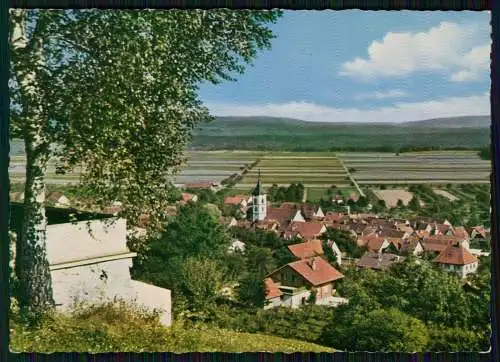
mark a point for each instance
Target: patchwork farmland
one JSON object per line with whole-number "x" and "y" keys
{"x": 316, "y": 171}
{"x": 446, "y": 167}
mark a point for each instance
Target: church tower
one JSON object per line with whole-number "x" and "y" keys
{"x": 259, "y": 202}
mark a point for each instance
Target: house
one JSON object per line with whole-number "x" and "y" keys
{"x": 304, "y": 230}
{"x": 373, "y": 242}
{"x": 58, "y": 199}
{"x": 238, "y": 200}
{"x": 411, "y": 246}
{"x": 335, "y": 218}
{"x": 273, "y": 294}
{"x": 283, "y": 216}
{"x": 311, "y": 212}
{"x": 437, "y": 243}
{"x": 267, "y": 225}
{"x": 461, "y": 232}
{"x": 456, "y": 258}
{"x": 213, "y": 186}
{"x": 378, "y": 260}
{"x": 307, "y": 249}
{"x": 89, "y": 261}
{"x": 298, "y": 279}
{"x": 186, "y": 197}
{"x": 337, "y": 199}
{"x": 479, "y": 232}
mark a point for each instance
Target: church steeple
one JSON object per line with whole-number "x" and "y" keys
{"x": 259, "y": 205}
{"x": 258, "y": 188}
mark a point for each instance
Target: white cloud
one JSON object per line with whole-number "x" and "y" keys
{"x": 399, "y": 112}
{"x": 393, "y": 93}
{"x": 459, "y": 50}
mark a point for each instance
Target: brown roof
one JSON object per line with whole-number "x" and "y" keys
{"x": 316, "y": 270}
{"x": 375, "y": 243}
{"x": 409, "y": 244}
{"x": 461, "y": 232}
{"x": 272, "y": 289}
{"x": 455, "y": 254}
{"x": 442, "y": 228}
{"x": 187, "y": 197}
{"x": 378, "y": 261}
{"x": 308, "y": 230}
{"x": 283, "y": 215}
{"x": 391, "y": 233}
{"x": 334, "y": 217}
{"x": 235, "y": 200}
{"x": 438, "y": 242}
{"x": 307, "y": 249}
{"x": 199, "y": 185}
{"x": 481, "y": 230}
{"x": 370, "y": 238}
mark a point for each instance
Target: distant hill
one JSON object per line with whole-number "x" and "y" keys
{"x": 294, "y": 134}
{"x": 453, "y": 122}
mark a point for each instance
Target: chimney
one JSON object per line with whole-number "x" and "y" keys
{"x": 313, "y": 263}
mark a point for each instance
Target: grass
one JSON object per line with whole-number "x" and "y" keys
{"x": 126, "y": 328}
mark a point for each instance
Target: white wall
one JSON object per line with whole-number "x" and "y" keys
{"x": 78, "y": 276}
{"x": 84, "y": 240}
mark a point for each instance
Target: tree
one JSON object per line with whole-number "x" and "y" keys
{"x": 251, "y": 291}
{"x": 201, "y": 282}
{"x": 414, "y": 203}
{"x": 128, "y": 136}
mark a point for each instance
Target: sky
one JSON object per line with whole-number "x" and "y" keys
{"x": 365, "y": 66}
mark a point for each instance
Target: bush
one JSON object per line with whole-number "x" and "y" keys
{"x": 125, "y": 327}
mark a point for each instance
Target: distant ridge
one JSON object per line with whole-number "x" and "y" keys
{"x": 453, "y": 122}
{"x": 249, "y": 124}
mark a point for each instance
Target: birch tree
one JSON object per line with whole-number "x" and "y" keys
{"x": 115, "y": 93}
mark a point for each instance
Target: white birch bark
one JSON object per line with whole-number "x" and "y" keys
{"x": 32, "y": 267}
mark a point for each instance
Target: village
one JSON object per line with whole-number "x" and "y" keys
{"x": 310, "y": 277}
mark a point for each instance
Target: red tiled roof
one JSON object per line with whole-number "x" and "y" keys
{"x": 187, "y": 197}
{"x": 460, "y": 232}
{"x": 308, "y": 230}
{"x": 235, "y": 200}
{"x": 375, "y": 243}
{"x": 335, "y": 217}
{"x": 307, "y": 249}
{"x": 272, "y": 289}
{"x": 455, "y": 254}
{"x": 321, "y": 274}
{"x": 366, "y": 239}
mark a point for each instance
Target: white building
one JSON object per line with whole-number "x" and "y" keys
{"x": 90, "y": 262}
{"x": 259, "y": 202}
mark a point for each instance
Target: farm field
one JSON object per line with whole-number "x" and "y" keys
{"x": 460, "y": 167}
{"x": 445, "y": 194}
{"x": 311, "y": 170}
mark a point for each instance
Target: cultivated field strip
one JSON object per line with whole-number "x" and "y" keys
{"x": 433, "y": 167}
{"x": 312, "y": 171}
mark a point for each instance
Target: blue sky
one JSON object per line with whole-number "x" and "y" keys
{"x": 357, "y": 66}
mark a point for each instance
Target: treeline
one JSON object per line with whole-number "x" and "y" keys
{"x": 292, "y": 193}
{"x": 485, "y": 153}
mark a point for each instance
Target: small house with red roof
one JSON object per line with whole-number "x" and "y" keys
{"x": 304, "y": 230}
{"x": 187, "y": 197}
{"x": 238, "y": 200}
{"x": 298, "y": 279}
{"x": 456, "y": 258}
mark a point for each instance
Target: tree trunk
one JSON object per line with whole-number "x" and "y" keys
{"x": 32, "y": 266}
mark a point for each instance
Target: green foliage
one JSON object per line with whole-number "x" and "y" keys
{"x": 385, "y": 330}
{"x": 193, "y": 233}
{"x": 292, "y": 193}
{"x": 124, "y": 327}
{"x": 485, "y": 153}
{"x": 201, "y": 281}
{"x": 251, "y": 291}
